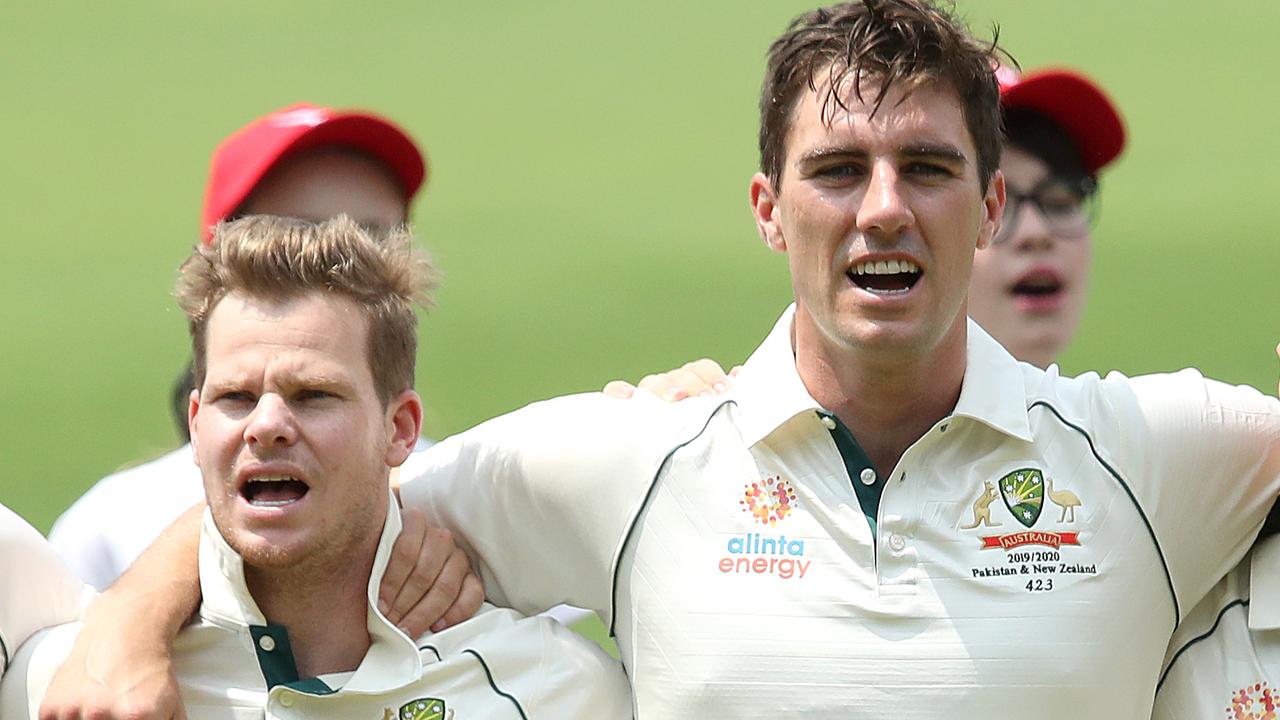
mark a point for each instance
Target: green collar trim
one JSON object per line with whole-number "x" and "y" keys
{"x": 858, "y": 466}
{"x": 275, "y": 659}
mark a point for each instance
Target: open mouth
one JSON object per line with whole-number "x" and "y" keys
{"x": 273, "y": 491}
{"x": 1038, "y": 284}
{"x": 885, "y": 277}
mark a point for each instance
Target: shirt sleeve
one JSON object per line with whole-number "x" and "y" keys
{"x": 541, "y": 498}
{"x": 1205, "y": 459}
{"x": 36, "y": 589}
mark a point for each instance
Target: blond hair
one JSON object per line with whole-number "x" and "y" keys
{"x": 279, "y": 258}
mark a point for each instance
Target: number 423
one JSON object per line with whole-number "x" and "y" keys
{"x": 1039, "y": 585}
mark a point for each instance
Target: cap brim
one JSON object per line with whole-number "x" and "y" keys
{"x": 1081, "y": 108}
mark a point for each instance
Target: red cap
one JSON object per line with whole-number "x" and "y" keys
{"x": 1072, "y": 101}
{"x": 242, "y": 159}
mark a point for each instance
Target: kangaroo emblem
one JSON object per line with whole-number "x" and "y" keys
{"x": 982, "y": 508}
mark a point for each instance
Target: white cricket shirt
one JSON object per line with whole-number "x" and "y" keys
{"x": 1030, "y": 555}
{"x": 1224, "y": 661}
{"x": 234, "y": 664}
{"x": 36, "y": 588}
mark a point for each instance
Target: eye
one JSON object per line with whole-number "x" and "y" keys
{"x": 839, "y": 172}
{"x": 920, "y": 168}
{"x": 235, "y": 396}
{"x": 312, "y": 394}
{"x": 1059, "y": 200}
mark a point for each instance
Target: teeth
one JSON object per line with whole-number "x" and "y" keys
{"x": 273, "y": 503}
{"x": 886, "y": 267}
{"x": 272, "y": 478}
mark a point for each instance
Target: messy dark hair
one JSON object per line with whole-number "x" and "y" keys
{"x": 893, "y": 43}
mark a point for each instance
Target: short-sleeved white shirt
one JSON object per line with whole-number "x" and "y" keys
{"x": 1224, "y": 661}
{"x": 233, "y": 663}
{"x": 1032, "y": 552}
{"x": 36, "y": 588}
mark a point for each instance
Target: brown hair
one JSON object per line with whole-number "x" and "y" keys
{"x": 910, "y": 43}
{"x": 280, "y": 258}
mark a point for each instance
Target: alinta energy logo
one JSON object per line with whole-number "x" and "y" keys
{"x": 1255, "y": 702}
{"x": 768, "y": 501}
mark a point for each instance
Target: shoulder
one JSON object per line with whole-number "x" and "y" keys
{"x": 586, "y": 430}
{"x": 36, "y": 589}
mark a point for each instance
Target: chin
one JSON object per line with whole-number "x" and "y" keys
{"x": 269, "y": 551}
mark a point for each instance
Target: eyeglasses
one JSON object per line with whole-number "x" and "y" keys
{"x": 1068, "y": 208}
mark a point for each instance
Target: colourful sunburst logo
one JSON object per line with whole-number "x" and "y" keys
{"x": 768, "y": 500}
{"x": 1255, "y": 702}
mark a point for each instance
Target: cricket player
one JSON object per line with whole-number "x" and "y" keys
{"x": 300, "y": 161}
{"x": 36, "y": 588}
{"x": 304, "y": 340}
{"x": 887, "y": 515}
{"x": 308, "y": 162}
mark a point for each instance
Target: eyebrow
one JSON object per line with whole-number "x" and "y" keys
{"x": 943, "y": 152}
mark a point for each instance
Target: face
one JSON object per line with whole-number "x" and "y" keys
{"x": 324, "y": 183}
{"x": 1029, "y": 287}
{"x": 292, "y": 439}
{"x": 879, "y": 216}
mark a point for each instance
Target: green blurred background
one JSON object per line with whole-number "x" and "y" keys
{"x": 587, "y": 198}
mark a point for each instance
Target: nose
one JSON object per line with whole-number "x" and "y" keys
{"x": 884, "y": 211}
{"x": 1030, "y": 228}
{"x": 271, "y": 424}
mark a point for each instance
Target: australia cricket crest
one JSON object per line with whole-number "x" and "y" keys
{"x": 421, "y": 709}
{"x": 1023, "y": 493}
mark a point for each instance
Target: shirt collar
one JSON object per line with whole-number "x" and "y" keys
{"x": 392, "y": 659}
{"x": 769, "y": 391}
{"x": 1264, "y": 585}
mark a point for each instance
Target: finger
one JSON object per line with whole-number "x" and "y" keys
{"x": 404, "y": 555}
{"x": 710, "y": 373}
{"x": 432, "y": 558}
{"x": 619, "y": 389}
{"x": 662, "y": 386}
{"x": 734, "y": 372}
{"x": 443, "y": 593}
{"x": 467, "y": 604}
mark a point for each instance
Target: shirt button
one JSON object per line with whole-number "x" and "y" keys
{"x": 868, "y": 476}
{"x": 267, "y": 643}
{"x": 897, "y": 543}
{"x": 286, "y": 699}
{"x": 830, "y": 423}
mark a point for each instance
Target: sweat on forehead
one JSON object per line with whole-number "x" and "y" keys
{"x": 848, "y": 51}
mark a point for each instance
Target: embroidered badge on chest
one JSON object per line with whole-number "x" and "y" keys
{"x": 420, "y": 709}
{"x": 1024, "y": 492}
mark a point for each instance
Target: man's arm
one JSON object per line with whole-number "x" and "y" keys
{"x": 120, "y": 665}
{"x": 542, "y": 497}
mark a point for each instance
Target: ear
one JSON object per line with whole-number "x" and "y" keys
{"x": 404, "y": 419}
{"x": 993, "y": 209}
{"x": 193, "y": 407}
{"x": 764, "y": 207}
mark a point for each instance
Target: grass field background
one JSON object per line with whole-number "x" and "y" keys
{"x": 587, "y": 198}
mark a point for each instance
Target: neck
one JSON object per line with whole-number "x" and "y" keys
{"x": 324, "y": 609}
{"x": 888, "y": 402}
